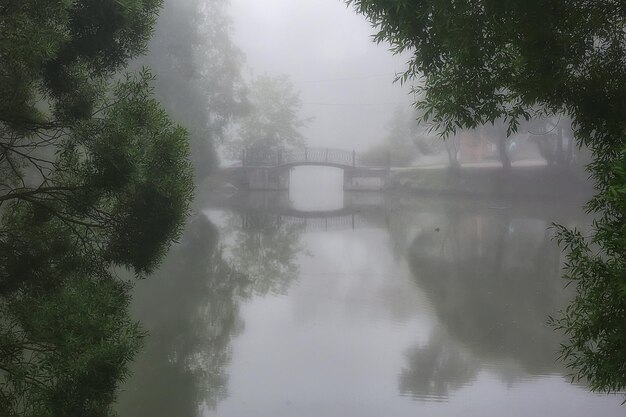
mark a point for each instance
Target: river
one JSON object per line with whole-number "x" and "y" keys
{"x": 316, "y": 303}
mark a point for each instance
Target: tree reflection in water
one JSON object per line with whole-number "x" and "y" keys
{"x": 191, "y": 311}
{"x": 492, "y": 277}
{"x": 437, "y": 369}
{"x": 264, "y": 249}
{"x": 493, "y": 280}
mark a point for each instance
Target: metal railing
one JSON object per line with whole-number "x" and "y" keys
{"x": 304, "y": 156}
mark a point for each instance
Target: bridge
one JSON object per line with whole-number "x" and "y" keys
{"x": 270, "y": 171}
{"x": 338, "y": 158}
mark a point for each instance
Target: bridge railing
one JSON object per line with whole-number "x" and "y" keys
{"x": 320, "y": 156}
{"x": 307, "y": 155}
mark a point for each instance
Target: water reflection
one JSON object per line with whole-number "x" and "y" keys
{"x": 264, "y": 248}
{"x": 316, "y": 188}
{"x": 408, "y": 299}
{"x": 191, "y": 310}
{"x": 269, "y": 211}
{"x": 437, "y": 369}
{"x": 493, "y": 281}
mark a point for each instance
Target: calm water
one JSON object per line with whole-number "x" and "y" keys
{"x": 320, "y": 304}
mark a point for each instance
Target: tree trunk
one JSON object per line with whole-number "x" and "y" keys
{"x": 504, "y": 156}
{"x": 560, "y": 155}
{"x": 452, "y": 154}
{"x": 570, "y": 151}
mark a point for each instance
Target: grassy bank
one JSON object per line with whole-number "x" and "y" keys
{"x": 519, "y": 182}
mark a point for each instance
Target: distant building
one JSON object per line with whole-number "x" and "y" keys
{"x": 473, "y": 147}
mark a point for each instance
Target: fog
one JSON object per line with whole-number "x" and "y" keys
{"x": 228, "y": 208}
{"x": 353, "y": 283}
{"x": 345, "y": 80}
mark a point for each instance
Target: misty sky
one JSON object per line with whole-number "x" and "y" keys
{"x": 345, "y": 79}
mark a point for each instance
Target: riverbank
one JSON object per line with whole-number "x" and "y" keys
{"x": 520, "y": 182}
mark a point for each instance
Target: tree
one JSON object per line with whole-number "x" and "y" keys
{"x": 496, "y": 132}
{"x": 198, "y": 71}
{"x": 398, "y": 145}
{"x": 480, "y": 61}
{"x": 94, "y": 177}
{"x": 64, "y": 351}
{"x": 271, "y": 123}
{"x": 555, "y": 141}
{"x": 57, "y": 51}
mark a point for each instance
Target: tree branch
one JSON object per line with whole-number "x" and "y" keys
{"x": 41, "y": 190}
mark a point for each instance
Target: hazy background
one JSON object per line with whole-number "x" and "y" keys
{"x": 345, "y": 79}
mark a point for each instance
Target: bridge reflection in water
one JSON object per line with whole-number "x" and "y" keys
{"x": 272, "y": 210}
{"x": 304, "y": 221}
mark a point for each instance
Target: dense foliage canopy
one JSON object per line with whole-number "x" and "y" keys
{"x": 475, "y": 62}
{"x": 94, "y": 176}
